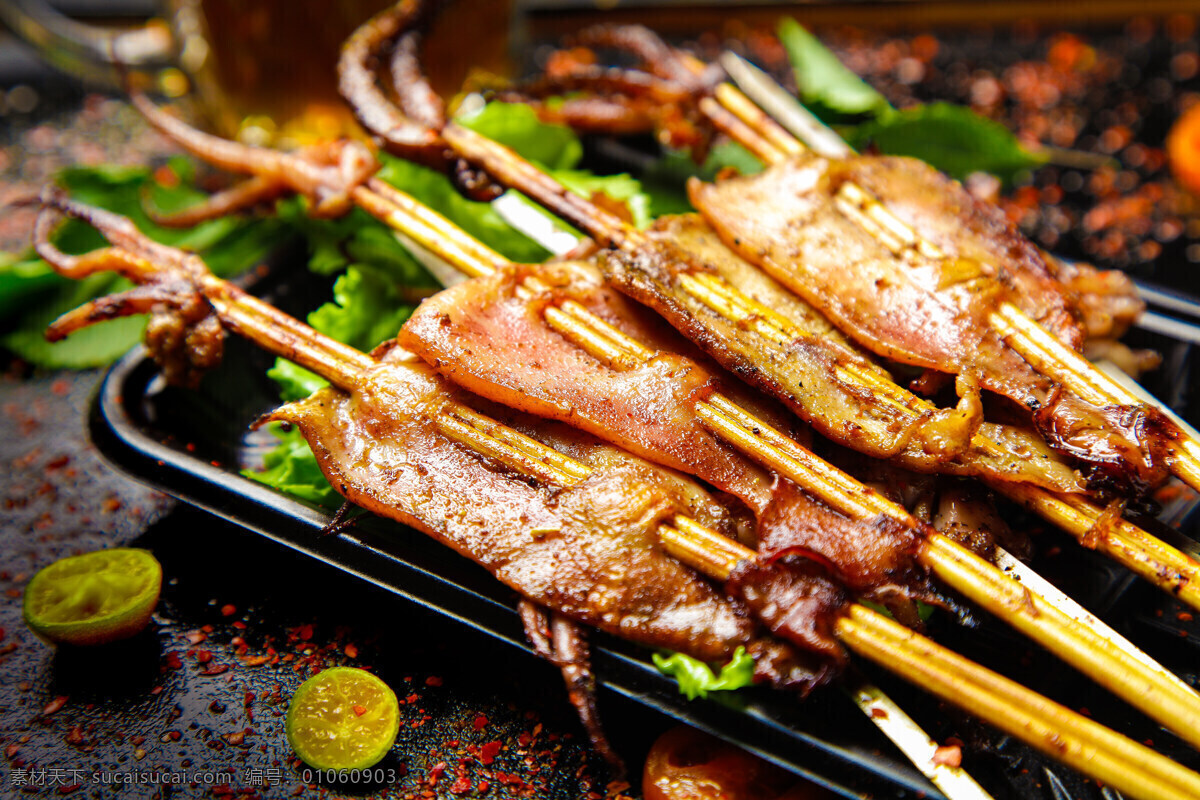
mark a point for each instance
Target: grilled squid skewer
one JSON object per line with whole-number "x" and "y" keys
{"x": 441, "y": 465}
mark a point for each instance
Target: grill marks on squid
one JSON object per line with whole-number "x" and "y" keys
{"x": 813, "y": 367}
{"x": 488, "y": 336}
{"x": 926, "y": 298}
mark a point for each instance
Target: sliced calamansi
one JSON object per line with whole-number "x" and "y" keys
{"x": 343, "y": 719}
{"x": 94, "y": 598}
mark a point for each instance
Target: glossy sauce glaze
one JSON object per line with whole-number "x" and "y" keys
{"x": 807, "y": 368}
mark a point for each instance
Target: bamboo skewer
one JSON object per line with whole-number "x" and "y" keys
{"x": 383, "y": 201}
{"x": 1062, "y": 734}
{"x": 742, "y": 107}
{"x": 807, "y": 131}
{"x": 1057, "y": 361}
{"x": 760, "y": 146}
{"x": 1146, "y": 685}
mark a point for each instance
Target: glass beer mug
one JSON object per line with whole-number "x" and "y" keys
{"x": 264, "y": 71}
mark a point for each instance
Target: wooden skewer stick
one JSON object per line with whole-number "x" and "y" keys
{"x": 384, "y": 202}
{"x": 806, "y": 130}
{"x": 730, "y": 99}
{"x": 742, "y": 107}
{"x": 1147, "y": 686}
{"x": 1052, "y": 358}
{"x": 1060, "y": 733}
{"x": 759, "y": 145}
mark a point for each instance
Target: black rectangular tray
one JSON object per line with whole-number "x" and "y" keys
{"x": 152, "y": 432}
{"x": 192, "y": 444}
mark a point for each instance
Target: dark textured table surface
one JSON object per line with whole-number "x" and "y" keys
{"x": 197, "y": 699}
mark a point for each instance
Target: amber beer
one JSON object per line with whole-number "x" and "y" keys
{"x": 266, "y": 70}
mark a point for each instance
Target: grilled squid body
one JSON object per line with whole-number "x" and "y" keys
{"x": 587, "y": 551}
{"x": 923, "y": 293}
{"x": 813, "y": 368}
{"x": 490, "y": 336}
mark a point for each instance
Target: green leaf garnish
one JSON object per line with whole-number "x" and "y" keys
{"x": 696, "y": 679}
{"x": 292, "y": 468}
{"x": 952, "y": 138}
{"x": 32, "y": 295}
{"x": 517, "y": 126}
{"x": 826, "y": 85}
{"x": 367, "y": 308}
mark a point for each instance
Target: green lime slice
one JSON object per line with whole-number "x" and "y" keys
{"x": 94, "y": 598}
{"x": 343, "y": 718}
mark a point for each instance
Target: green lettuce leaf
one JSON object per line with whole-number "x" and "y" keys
{"x": 554, "y": 147}
{"x": 24, "y": 282}
{"x": 295, "y": 382}
{"x": 827, "y": 86}
{"x": 292, "y": 468}
{"x": 367, "y": 309}
{"x": 665, "y": 181}
{"x": 924, "y": 610}
{"x": 32, "y": 295}
{"x": 517, "y": 126}
{"x": 94, "y": 346}
{"x": 952, "y": 138}
{"x": 619, "y": 187}
{"x": 696, "y": 679}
